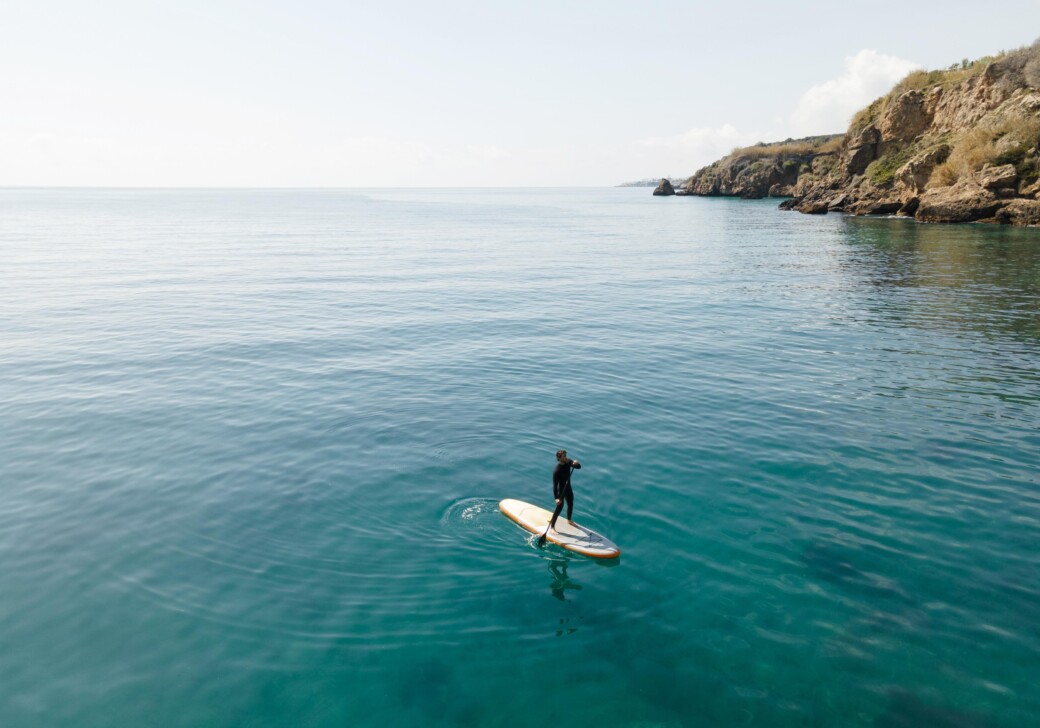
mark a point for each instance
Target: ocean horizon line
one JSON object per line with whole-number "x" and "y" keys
{"x": 305, "y": 187}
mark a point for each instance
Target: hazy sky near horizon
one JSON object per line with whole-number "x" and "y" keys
{"x": 455, "y": 93}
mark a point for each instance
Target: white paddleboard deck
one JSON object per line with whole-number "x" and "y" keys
{"x": 570, "y": 536}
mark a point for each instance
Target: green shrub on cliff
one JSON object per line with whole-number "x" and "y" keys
{"x": 882, "y": 172}
{"x": 1020, "y": 146}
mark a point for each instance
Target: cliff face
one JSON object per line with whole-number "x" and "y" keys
{"x": 782, "y": 169}
{"x": 944, "y": 146}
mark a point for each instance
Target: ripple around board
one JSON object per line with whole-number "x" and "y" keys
{"x": 476, "y": 521}
{"x": 479, "y": 523}
{"x": 468, "y": 515}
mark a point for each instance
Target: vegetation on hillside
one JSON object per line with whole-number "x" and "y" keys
{"x": 791, "y": 147}
{"x": 1025, "y": 60}
{"x": 1014, "y": 140}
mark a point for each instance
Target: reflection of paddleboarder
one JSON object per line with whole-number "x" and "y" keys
{"x": 560, "y": 581}
{"x": 561, "y": 489}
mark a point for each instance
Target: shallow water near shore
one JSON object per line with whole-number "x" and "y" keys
{"x": 252, "y": 444}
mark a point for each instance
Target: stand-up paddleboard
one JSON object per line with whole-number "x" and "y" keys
{"x": 571, "y": 536}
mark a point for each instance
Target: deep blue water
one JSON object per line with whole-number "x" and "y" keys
{"x": 252, "y": 443}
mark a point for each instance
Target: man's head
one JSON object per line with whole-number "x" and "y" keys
{"x": 561, "y": 455}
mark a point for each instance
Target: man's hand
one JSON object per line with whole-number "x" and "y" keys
{"x": 557, "y": 501}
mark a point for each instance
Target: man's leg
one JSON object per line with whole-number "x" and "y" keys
{"x": 569, "y": 497}
{"x": 556, "y": 514}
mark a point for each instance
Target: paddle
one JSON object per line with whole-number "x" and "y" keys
{"x": 541, "y": 539}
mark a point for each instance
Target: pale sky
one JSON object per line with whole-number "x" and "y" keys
{"x": 483, "y": 93}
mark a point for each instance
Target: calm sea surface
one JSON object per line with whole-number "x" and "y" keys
{"x": 252, "y": 445}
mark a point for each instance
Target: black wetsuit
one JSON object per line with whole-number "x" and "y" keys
{"x": 562, "y": 488}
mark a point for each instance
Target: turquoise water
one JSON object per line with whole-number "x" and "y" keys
{"x": 252, "y": 443}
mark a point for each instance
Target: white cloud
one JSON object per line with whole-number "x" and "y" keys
{"x": 827, "y": 107}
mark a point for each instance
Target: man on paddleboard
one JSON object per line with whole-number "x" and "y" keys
{"x": 561, "y": 489}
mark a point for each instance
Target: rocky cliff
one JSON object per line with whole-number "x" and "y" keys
{"x": 782, "y": 169}
{"x": 957, "y": 145}
{"x": 664, "y": 188}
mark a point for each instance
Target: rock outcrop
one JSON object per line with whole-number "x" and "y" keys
{"x": 782, "y": 169}
{"x": 966, "y": 201}
{"x": 960, "y": 145}
{"x": 664, "y": 188}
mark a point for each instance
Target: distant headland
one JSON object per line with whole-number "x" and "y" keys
{"x": 652, "y": 182}
{"x": 955, "y": 145}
